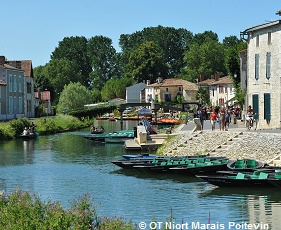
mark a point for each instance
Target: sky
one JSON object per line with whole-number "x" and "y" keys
{"x": 32, "y": 29}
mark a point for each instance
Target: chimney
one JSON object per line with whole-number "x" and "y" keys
{"x": 201, "y": 77}
{"x": 148, "y": 82}
{"x": 2, "y": 60}
{"x": 216, "y": 76}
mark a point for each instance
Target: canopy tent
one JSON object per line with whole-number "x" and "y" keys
{"x": 144, "y": 111}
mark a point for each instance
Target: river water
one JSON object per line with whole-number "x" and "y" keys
{"x": 64, "y": 166}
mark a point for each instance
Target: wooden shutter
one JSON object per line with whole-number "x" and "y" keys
{"x": 267, "y": 106}
{"x": 268, "y": 57}
{"x": 257, "y": 60}
{"x": 255, "y": 98}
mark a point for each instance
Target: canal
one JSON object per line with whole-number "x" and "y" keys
{"x": 64, "y": 166}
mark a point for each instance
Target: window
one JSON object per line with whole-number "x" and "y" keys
{"x": 167, "y": 89}
{"x": 179, "y": 89}
{"x": 268, "y": 57}
{"x": 221, "y": 101}
{"x": 10, "y": 83}
{"x": 225, "y": 89}
{"x": 269, "y": 38}
{"x": 257, "y": 41}
{"x": 11, "y": 105}
{"x": 220, "y": 89}
{"x": 167, "y": 97}
{"x": 15, "y": 83}
{"x": 257, "y": 57}
{"x": 20, "y": 104}
{"x": 267, "y": 106}
{"x": 20, "y": 84}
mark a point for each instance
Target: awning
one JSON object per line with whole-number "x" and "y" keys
{"x": 144, "y": 111}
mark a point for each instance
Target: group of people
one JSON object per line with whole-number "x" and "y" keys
{"x": 96, "y": 130}
{"x": 218, "y": 115}
{"x": 29, "y": 130}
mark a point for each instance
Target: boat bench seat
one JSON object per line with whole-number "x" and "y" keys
{"x": 277, "y": 175}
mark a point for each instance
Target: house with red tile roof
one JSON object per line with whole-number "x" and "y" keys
{"x": 221, "y": 90}
{"x": 17, "y": 89}
{"x": 168, "y": 89}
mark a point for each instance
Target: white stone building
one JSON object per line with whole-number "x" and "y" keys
{"x": 264, "y": 73}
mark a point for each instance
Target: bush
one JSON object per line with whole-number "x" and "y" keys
{"x": 19, "y": 124}
{"x": 23, "y": 210}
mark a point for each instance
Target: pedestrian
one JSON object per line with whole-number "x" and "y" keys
{"x": 222, "y": 118}
{"x": 227, "y": 119}
{"x": 213, "y": 120}
{"x": 200, "y": 115}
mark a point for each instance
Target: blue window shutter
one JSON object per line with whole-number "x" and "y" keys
{"x": 255, "y": 98}
{"x": 257, "y": 60}
{"x": 267, "y": 106}
{"x": 268, "y": 59}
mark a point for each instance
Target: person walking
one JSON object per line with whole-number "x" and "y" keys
{"x": 213, "y": 119}
{"x": 200, "y": 115}
{"x": 222, "y": 117}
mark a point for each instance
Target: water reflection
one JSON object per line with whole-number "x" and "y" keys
{"x": 255, "y": 205}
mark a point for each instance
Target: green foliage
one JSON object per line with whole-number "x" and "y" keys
{"x": 19, "y": 124}
{"x": 74, "y": 49}
{"x": 207, "y": 58}
{"x": 203, "y": 95}
{"x": 201, "y": 38}
{"x": 146, "y": 63}
{"x": 104, "y": 60}
{"x": 115, "y": 88}
{"x": 172, "y": 43}
{"x": 92, "y": 112}
{"x": 6, "y": 132}
{"x": 23, "y": 210}
{"x": 74, "y": 96}
{"x": 240, "y": 95}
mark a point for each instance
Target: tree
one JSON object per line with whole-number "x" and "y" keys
{"x": 201, "y": 38}
{"x": 103, "y": 59}
{"x": 203, "y": 95}
{"x": 115, "y": 88}
{"x": 232, "y": 61}
{"x": 172, "y": 43}
{"x": 207, "y": 58}
{"x": 61, "y": 72}
{"x": 74, "y": 49}
{"x": 146, "y": 63}
{"x": 74, "y": 96}
{"x": 240, "y": 96}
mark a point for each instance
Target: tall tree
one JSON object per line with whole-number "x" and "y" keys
{"x": 172, "y": 42}
{"x": 74, "y": 49}
{"x": 104, "y": 60}
{"x": 201, "y": 38}
{"x": 146, "y": 63}
{"x": 207, "y": 58}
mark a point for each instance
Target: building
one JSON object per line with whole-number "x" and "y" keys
{"x": 168, "y": 90}
{"x": 135, "y": 93}
{"x": 264, "y": 73}
{"x": 17, "y": 89}
{"x": 221, "y": 90}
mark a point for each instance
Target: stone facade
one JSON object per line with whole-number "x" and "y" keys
{"x": 264, "y": 73}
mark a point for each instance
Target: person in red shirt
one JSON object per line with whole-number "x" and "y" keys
{"x": 213, "y": 119}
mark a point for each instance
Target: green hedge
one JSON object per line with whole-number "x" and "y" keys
{"x": 92, "y": 112}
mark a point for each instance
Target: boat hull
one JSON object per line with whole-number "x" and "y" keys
{"x": 247, "y": 182}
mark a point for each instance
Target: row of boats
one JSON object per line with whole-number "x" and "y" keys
{"x": 218, "y": 171}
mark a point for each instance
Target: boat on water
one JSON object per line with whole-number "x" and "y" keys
{"x": 245, "y": 165}
{"x": 257, "y": 179}
{"x": 161, "y": 163}
{"x": 124, "y": 134}
{"x": 34, "y": 135}
{"x": 187, "y": 166}
{"x": 132, "y": 156}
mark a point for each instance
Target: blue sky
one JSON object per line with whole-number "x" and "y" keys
{"x": 32, "y": 29}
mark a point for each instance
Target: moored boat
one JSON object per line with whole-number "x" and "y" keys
{"x": 245, "y": 165}
{"x": 29, "y": 136}
{"x": 132, "y": 156}
{"x": 257, "y": 179}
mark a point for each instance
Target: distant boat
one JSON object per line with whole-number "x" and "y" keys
{"x": 112, "y": 119}
{"x": 97, "y": 131}
{"x": 29, "y": 136}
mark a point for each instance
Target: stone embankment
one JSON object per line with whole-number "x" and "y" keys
{"x": 234, "y": 145}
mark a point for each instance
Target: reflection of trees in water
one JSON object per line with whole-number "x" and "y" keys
{"x": 28, "y": 149}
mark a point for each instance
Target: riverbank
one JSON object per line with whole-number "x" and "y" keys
{"x": 235, "y": 145}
